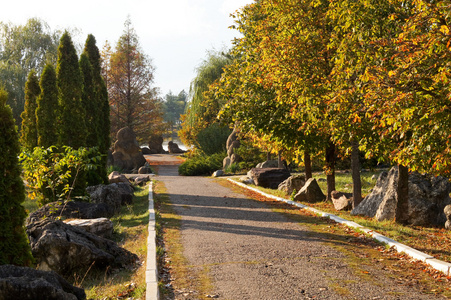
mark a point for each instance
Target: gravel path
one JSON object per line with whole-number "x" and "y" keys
{"x": 251, "y": 252}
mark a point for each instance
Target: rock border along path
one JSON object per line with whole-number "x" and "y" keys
{"x": 438, "y": 265}
{"x": 152, "y": 292}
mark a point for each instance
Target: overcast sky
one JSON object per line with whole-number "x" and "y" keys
{"x": 176, "y": 34}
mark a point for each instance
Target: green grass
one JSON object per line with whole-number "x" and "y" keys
{"x": 130, "y": 232}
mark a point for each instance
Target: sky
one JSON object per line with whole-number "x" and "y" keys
{"x": 175, "y": 34}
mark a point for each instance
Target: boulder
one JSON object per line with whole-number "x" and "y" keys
{"x": 341, "y": 201}
{"x": 127, "y": 191}
{"x": 110, "y": 194}
{"x": 246, "y": 180}
{"x": 146, "y": 151}
{"x": 174, "y": 148}
{"x": 116, "y": 177}
{"x": 293, "y": 183}
{"x": 100, "y": 227}
{"x": 70, "y": 210}
{"x": 268, "y": 164}
{"x": 145, "y": 169}
{"x": 30, "y": 284}
{"x": 67, "y": 249}
{"x": 270, "y": 177}
{"x": 428, "y": 196}
{"x": 156, "y": 144}
{"x": 218, "y": 173}
{"x": 141, "y": 180}
{"x": 127, "y": 154}
{"x": 226, "y": 162}
{"x": 310, "y": 192}
{"x": 447, "y": 211}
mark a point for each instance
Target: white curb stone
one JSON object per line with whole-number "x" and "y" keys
{"x": 152, "y": 292}
{"x": 415, "y": 254}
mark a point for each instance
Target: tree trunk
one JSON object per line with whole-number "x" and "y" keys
{"x": 279, "y": 161}
{"x": 308, "y": 165}
{"x": 330, "y": 169}
{"x": 355, "y": 170}
{"x": 403, "y": 195}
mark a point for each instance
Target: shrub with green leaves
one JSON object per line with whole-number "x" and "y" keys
{"x": 54, "y": 175}
{"x": 213, "y": 139}
{"x": 202, "y": 164}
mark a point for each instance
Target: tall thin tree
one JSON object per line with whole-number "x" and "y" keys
{"x": 47, "y": 108}
{"x": 29, "y": 136}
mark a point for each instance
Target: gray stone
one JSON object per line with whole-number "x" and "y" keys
{"x": 231, "y": 145}
{"x": 218, "y": 173}
{"x": 70, "y": 210}
{"x": 142, "y": 180}
{"x": 116, "y": 177}
{"x": 110, "y": 194}
{"x": 127, "y": 154}
{"x": 100, "y": 227}
{"x": 428, "y": 196}
{"x": 310, "y": 192}
{"x": 226, "y": 162}
{"x": 174, "y": 148}
{"x": 30, "y": 284}
{"x": 156, "y": 144}
{"x": 127, "y": 192}
{"x": 341, "y": 201}
{"x": 67, "y": 249}
{"x": 269, "y": 177}
{"x": 447, "y": 212}
{"x": 146, "y": 151}
{"x": 293, "y": 183}
{"x": 145, "y": 169}
{"x": 268, "y": 164}
{"x": 246, "y": 180}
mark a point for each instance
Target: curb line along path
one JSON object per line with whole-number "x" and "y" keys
{"x": 250, "y": 252}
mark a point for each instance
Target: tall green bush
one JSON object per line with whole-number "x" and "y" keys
{"x": 72, "y": 127}
{"x": 213, "y": 139}
{"x": 14, "y": 246}
{"x": 29, "y": 135}
{"x": 47, "y": 108}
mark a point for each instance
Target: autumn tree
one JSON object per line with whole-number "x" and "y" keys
{"x": 133, "y": 100}
{"x": 72, "y": 127}
{"x": 29, "y": 135}
{"x": 14, "y": 245}
{"x": 22, "y": 49}
{"x": 47, "y": 108}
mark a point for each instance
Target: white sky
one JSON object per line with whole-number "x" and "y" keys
{"x": 176, "y": 34}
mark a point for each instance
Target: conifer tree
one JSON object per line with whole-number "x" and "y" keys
{"x": 29, "y": 136}
{"x": 47, "y": 108}
{"x": 101, "y": 95}
{"x": 72, "y": 127}
{"x": 89, "y": 102}
{"x": 14, "y": 245}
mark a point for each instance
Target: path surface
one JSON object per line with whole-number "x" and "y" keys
{"x": 251, "y": 252}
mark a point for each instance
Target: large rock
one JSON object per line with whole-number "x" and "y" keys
{"x": 100, "y": 227}
{"x": 30, "y": 284}
{"x": 156, "y": 144}
{"x": 127, "y": 154}
{"x": 67, "y": 249}
{"x": 127, "y": 192}
{"x": 231, "y": 145}
{"x": 341, "y": 200}
{"x": 270, "y": 177}
{"x": 110, "y": 194}
{"x": 173, "y": 148}
{"x": 70, "y": 210}
{"x": 310, "y": 192}
{"x": 293, "y": 183}
{"x": 447, "y": 211}
{"x": 116, "y": 177}
{"x": 268, "y": 164}
{"x": 428, "y": 196}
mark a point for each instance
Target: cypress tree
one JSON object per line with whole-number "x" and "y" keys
{"x": 89, "y": 102}
{"x": 101, "y": 94}
{"x": 72, "y": 126}
{"x": 29, "y": 135}
{"x": 14, "y": 245}
{"x": 47, "y": 108}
